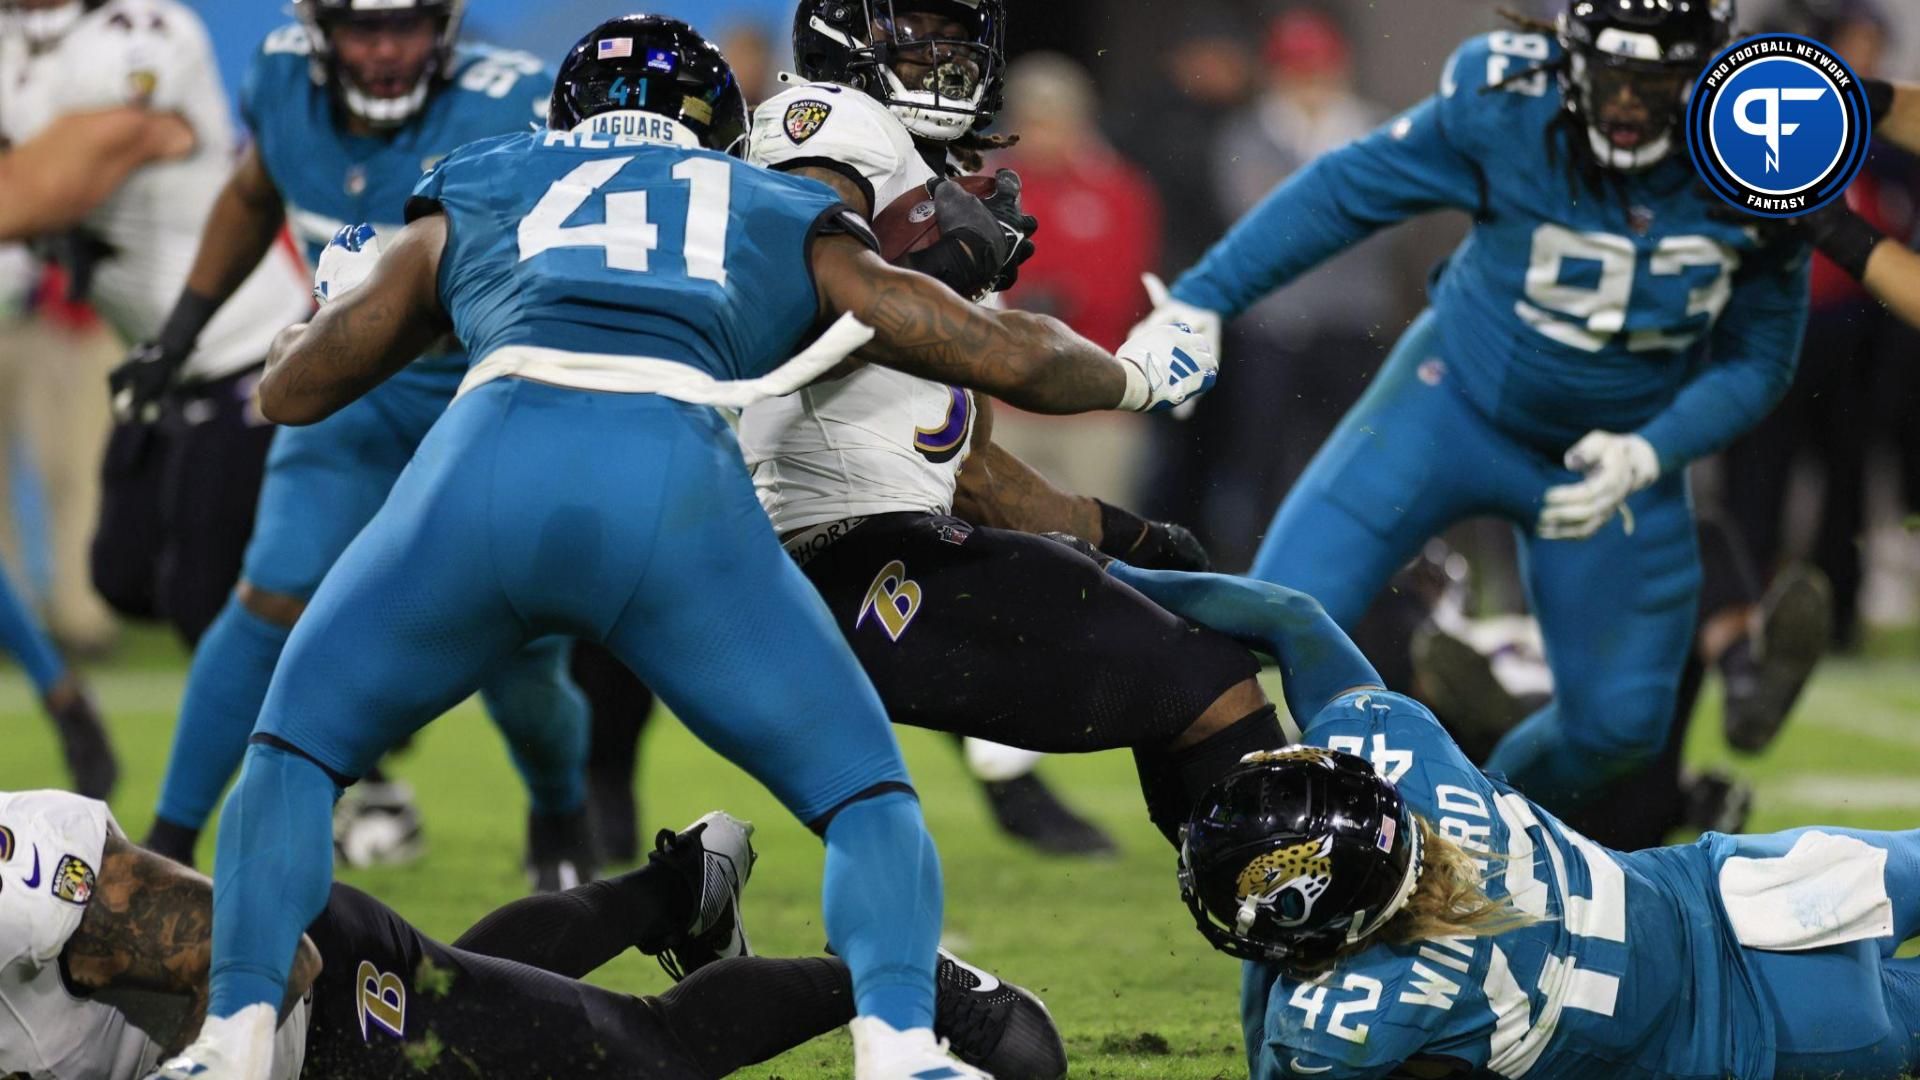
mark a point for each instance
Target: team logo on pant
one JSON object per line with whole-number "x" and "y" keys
{"x": 380, "y": 998}
{"x": 804, "y": 118}
{"x": 1778, "y": 125}
{"x": 892, "y": 600}
{"x": 6, "y": 844}
{"x": 1286, "y": 883}
{"x": 73, "y": 880}
{"x": 944, "y": 441}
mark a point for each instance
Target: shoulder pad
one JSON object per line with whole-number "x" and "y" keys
{"x": 520, "y": 81}
{"x": 288, "y": 40}
{"x": 826, "y": 120}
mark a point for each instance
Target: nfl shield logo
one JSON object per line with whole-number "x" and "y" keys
{"x": 804, "y": 119}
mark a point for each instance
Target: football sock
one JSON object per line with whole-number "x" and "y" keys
{"x": 574, "y": 932}
{"x": 272, "y": 873}
{"x": 1173, "y": 780}
{"x": 21, "y": 636}
{"x": 741, "y": 1011}
{"x": 543, "y": 717}
{"x": 225, "y": 688}
{"x": 883, "y": 906}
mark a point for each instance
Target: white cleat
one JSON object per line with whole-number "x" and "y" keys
{"x": 880, "y": 1052}
{"x": 716, "y": 854}
{"x": 237, "y": 1047}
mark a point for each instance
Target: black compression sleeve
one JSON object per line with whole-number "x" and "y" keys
{"x": 574, "y": 932}
{"x": 737, "y": 1012}
{"x": 1173, "y": 780}
{"x": 191, "y": 314}
{"x": 1879, "y": 95}
{"x": 1843, "y": 236}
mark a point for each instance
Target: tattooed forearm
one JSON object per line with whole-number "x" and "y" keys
{"x": 149, "y": 926}
{"x": 999, "y": 490}
{"x": 924, "y": 328}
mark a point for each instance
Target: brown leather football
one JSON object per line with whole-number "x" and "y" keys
{"x": 911, "y": 223}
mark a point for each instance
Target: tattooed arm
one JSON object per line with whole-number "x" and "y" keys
{"x": 926, "y": 329}
{"x": 999, "y": 490}
{"x": 149, "y": 926}
{"x": 317, "y": 368}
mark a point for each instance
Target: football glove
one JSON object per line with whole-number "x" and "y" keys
{"x": 140, "y": 386}
{"x": 347, "y": 260}
{"x": 974, "y": 248}
{"x": 1166, "y": 365}
{"x": 1168, "y": 310}
{"x": 1613, "y": 467}
{"x": 1150, "y": 545}
{"x": 1005, "y": 206}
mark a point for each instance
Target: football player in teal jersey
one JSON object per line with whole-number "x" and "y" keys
{"x": 348, "y": 107}
{"x": 1404, "y": 915}
{"x": 615, "y": 277}
{"x": 1602, "y": 325}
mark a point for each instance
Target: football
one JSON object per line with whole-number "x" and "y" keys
{"x": 912, "y": 223}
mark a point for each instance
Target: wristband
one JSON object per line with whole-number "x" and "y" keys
{"x": 1848, "y": 239}
{"x": 1120, "y": 530}
{"x": 1879, "y": 95}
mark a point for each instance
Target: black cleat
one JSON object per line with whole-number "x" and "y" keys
{"x": 1764, "y": 678}
{"x": 1457, "y": 682}
{"x": 1716, "y": 802}
{"x": 376, "y": 824}
{"x": 1029, "y": 810}
{"x": 83, "y": 740}
{"x": 715, "y": 856}
{"x": 995, "y": 1026}
{"x": 559, "y": 851}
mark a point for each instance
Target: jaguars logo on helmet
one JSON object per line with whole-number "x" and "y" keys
{"x": 1287, "y": 882}
{"x": 1297, "y": 853}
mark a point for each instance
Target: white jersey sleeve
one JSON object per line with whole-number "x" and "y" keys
{"x": 50, "y": 848}
{"x": 827, "y": 122}
{"x": 140, "y": 54}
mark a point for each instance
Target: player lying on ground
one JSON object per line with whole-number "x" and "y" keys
{"x": 1602, "y": 326}
{"x": 583, "y": 484}
{"x": 345, "y": 106}
{"x": 103, "y": 967}
{"x": 1402, "y": 914}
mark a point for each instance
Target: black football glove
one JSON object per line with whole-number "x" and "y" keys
{"x": 1150, "y": 545}
{"x": 142, "y": 383}
{"x": 973, "y": 249}
{"x": 1005, "y": 205}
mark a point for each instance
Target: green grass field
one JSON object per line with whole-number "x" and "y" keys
{"x": 1106, "y": 943}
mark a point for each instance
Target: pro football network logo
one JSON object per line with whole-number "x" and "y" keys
{"x": 1778, "y": 125}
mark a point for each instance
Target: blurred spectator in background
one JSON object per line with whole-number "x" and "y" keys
{"x": 54, "y": 359}
{"x": 1099, "y": 231}
{"x": 1832, "y": 417}
{"x": 750, "y": 52}
{"x": 1298, "y": 359}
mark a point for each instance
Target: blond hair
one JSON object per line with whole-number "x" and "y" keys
{"x": 1448, "y": 901}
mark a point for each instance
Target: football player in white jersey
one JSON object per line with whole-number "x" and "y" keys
{"x": 104, "y": 951}
{"x": 121, "y": 137}
{"x": 861, "y": 474}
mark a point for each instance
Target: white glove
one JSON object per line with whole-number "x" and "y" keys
{"x": 1615, "y": 466}
{"x": 1168, "y": 310}
{"x": 346, "y": 261}
{"x": 1166, "y": 364}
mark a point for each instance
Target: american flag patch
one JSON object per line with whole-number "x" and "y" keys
{"x": 1387, "y": 828}
{"x": 615, "y": 48}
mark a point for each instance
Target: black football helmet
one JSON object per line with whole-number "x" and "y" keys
{"x": 656, "y": 65}
{"x": 962, "y": 44}
{"x": 323, "y": 17}
{"x": 1297, "y": 853}
{"x": 1631, "y": 66}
